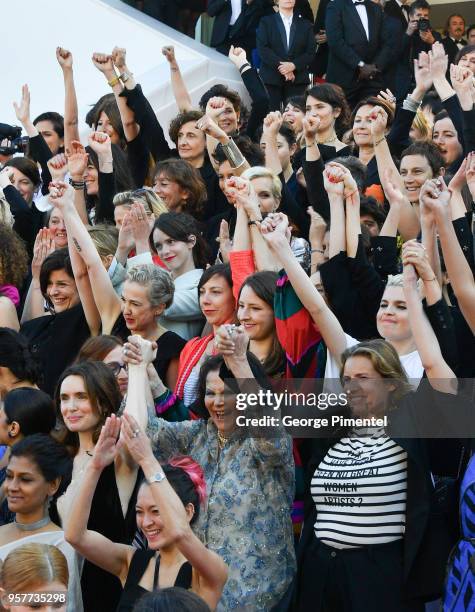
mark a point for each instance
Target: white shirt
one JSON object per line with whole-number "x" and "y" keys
{"x": 287, "y": 20}
{"x": 459, "y": 44}
{"x": 405, "y": 13}
{"x": 363, "y": 15}
{"x": 236, "y": 7}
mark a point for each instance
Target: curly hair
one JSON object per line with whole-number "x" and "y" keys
{"x": 13, "y": 257}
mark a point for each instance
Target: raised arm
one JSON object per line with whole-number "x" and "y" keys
{"x": 180, "y": 91}
{"x": 96, "y": 548}
{"x": 211, "y": 569}
{"x": 77, "y": 164}
{"x": 334, "y": 187}
{"x": 34, "y": 303}
{"x": 271, "y": 127}
{"x": 71, "y": 130}
{"x": 436, "y": 198}
{"x": 436, "y": 369}
{"x": 274, "y": 230}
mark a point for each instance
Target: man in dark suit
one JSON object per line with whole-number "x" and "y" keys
{"x": 359, "y": 48}
{"x": 236, "y": 22}
{"x": 418, "y": 37}
{"x": 286, "y": 45}
{"x": 320, "y": 63}
{"x": 398, "y": 10}
{"x": 454, "y": 40}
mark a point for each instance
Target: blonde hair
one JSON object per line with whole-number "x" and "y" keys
{"x": 422, "y": 124}
{"x": 385, "y": 361}
{"x": 261, "y": 172}
{"x": 31, "y": 566}
{"x": 395, "y": 280}
{"x": 6, "y": 216}
{"x": 152, "y": 203}
{"x": 105, "y": 238}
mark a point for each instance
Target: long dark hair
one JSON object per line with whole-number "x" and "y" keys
{"x": 263, "y": 284}
{"x": 334, "y": 96}
{"x": 102, "y": 390}
{"x": 180, "y": 226}
{"x": 122, "y": 176}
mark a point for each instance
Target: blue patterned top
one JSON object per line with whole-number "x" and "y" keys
{"x": 246, "y": 518}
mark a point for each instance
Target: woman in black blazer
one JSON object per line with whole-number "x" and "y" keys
{"x": 285, "y": 53}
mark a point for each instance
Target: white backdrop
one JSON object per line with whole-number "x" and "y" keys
{"x": 85, "y": 26}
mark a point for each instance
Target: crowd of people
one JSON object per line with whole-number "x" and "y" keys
{"x": 324, "y": 235}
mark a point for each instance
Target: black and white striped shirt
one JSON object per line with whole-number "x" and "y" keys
{"x": 359, "y": 490}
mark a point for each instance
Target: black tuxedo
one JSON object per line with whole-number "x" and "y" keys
{"x": 451, "y": 48}
{"x": 243, "y": 32}
{"x": 319, "y": 66}
{"x": 273, "y": 49}
{"x": 349, "y": 45}
{"x": 392, "y": 9}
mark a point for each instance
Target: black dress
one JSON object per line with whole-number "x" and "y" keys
{"x": 169, "y": 346}
{"x": 55, "y": 341}
{"x": 133, "y": 591}
{"x": 101, "y": 591}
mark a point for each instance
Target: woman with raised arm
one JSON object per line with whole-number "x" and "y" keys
{"x": 246, "y": 473}
{"x": 87, "y": 393}
{"x": 168, "y": 503}
{"x": 38, "y": 470}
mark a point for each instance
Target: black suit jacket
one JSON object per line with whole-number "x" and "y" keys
{"x": 244, "y": 30}
{"x": 392, "y": 9}
{"x": 272, "y": 46}
{"x": 348, "y": 44}
{"x": 451, "y": 48}
{"x": 319, "y": 66}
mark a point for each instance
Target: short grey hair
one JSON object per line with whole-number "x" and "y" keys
{"x": 157, "y": 280}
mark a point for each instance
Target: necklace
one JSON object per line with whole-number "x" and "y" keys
{"x": 222, "y": 440}
{"x": 33, "y": 526}
{"x": 333, "y": 138}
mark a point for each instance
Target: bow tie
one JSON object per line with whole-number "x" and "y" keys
{"x": 359, "y": 2}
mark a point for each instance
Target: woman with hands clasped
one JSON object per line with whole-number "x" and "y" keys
{"x": 168, "y": 503}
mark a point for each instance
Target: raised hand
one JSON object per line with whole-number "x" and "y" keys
{"x": 422, "y": 72}
{"x": 310, "y": 127}
{"x": 409, "y": 277}
{"x": 393, "y": 194}
{"x": 147, "y": 349}
{"x": 118, "y": 56}
{"x": 103, "y": 63}
{"x": 215, "y": 107}
{"x": 64, "y": 57}
{"x": 107, "y": 447}
{"x": 208, "y": 125}
{"x": 22, "y": 110}
{"x": 225, "y": 244}
{"x": 58, "y": 167}
{"x": 140, "y": 223}
{"x": 438, "y": 62}
{"x": 414, "y": 253}
{"x": 379, "y": 122}
{"x": 275, "y": 228}
{"x": 272, "y": 124}
{"x": 462, "y": 82}
{"x": 100, "y": 142}
{"x": 470, "y": 173}
{"x": 77, "y": 160}
{"x": 6, "y": 176}
{"x": 60, "y": 194}
{"x": 44, "y": 246}
{"x": 340, "y": 180}
{"x": 169, "y": 53}
{"x": 388, "y": 98}
{"x": 231, "y": 341}
{"x": 237, "y": 56}
{"x": 435, "y": 197}
{"x": 459, "y": 179}
{"x": 239, "y": 189}
{"x": 318, "y": 226}
{"x": 136, "y": 440}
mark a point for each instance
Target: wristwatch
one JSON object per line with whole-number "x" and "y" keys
{"x": 158, "y": 477}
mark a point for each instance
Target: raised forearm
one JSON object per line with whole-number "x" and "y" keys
{"x": 71, "y": 131}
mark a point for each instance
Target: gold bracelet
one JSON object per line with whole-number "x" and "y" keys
{"x": 429, "y": 280}
{"x": 379, "y": 141}
{"x": 113, "y": 82}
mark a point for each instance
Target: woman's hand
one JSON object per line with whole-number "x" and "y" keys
{"x": 462, "y": 82}
{"x": 60, "y": 194}
{"x": 208, "y": 125}
{"x": 438, "y": 62}
{"x": 459, "y": 179}
{"x": 22, "y": 110}
{"x": 470, "y": 173}
{"x": 231, "y": 341}
{"x": 422, "y": 73}
{"x": 225, "y": 244}
{"x": 139, "y": 351}
{"x": 169, "y": 53}
{"x": 58, "y": 167}
{"x": 100, "y": 142}
{"x": 237, "y": 56}
{"x": 106, "y": 447}
{"x": 6, "y": 176}
{"x": 275, "y": 229}
{"x": 118, "y": 56}
{"x": 310, "y": 127}
{"x": 392, "y": 192}
{"x": 65, "y": 58}
{"x": 215, "y": 107}
{"x": 318, "y": 227}
{"x": 436, "y": 198}
{"x": 409, "y": 277}
{"x": 140, "y": 225}
{"x": 414, "y": 253}
{"x": 44, "y": 246}
{"x": 379, "y": 123}
{"x": 272, "y": 124}
{"x": 77, "y": 160}
{"x": 136, "y": 441}
{"x": 103, "y": 63}
{"x": 388, "y": 98}
{"x": 349, "y": 184}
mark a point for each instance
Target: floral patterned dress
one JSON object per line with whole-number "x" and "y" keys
{"x": 246, "y": 518}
